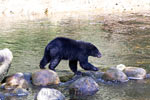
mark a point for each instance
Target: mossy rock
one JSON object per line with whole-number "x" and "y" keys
{"x": 66, "y": 78}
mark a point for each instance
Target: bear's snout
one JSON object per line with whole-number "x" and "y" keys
{"x": 99, "y": 55}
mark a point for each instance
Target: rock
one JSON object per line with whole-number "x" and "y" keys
{"x": 5, "y": 62}
{"x": 16, "y": 81}
{"x": 114, "y": 74}
{"x": 85, "y": 86}
{"x": 148, "y": 76}
{"x": 135, "y": 72}
{"x": 45, "y": 77}
{"x": 2, "y": 97}
{"x": 20, "y": 92}
{"x": 121, "y": 67}
{"x": 49, "y": 94}
{"x": 69, "y": 79}
{"x": 93, "y": 74}
{"x": 66, "y": 78}
{"x": 27, "y": 77}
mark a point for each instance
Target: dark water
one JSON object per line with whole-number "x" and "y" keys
{"x": 27, "y": 40}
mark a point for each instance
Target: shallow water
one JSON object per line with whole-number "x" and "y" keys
{"x": 27, "y": 40}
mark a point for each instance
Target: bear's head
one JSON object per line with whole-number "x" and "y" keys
{"x": 93, "y": 51}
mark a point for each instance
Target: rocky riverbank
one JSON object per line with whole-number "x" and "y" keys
{"x": 83, "y": 85}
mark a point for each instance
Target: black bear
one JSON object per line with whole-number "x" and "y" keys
{"x": 72, "y": 50}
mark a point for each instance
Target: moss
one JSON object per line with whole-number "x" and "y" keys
{"x": 66, "y": 78}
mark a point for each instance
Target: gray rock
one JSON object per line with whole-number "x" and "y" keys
{"x": 93, "y": 74}
{"x": 114, "y": 74}
{"x": 85, "y": 86}
{"x": 2, "y": 97}
{"x": 49, "y": 94}
{"x": 20, "y": 92}
{"x": 135, "y": 72}
{"x": 5, "y": 62}
{"x": 27, "y": 77}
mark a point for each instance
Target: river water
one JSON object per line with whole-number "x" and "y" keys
{"x": 28, "y": 38}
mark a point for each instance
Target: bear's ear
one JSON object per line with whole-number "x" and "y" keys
{"x": 91, "y": 46}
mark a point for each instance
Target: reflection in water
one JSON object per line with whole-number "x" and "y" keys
{"x": 27, "y": 40}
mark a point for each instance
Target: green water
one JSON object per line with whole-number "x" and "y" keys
{"x": 27, "y": 40}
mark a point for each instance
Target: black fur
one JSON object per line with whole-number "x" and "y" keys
{"x": 72, "y": 50}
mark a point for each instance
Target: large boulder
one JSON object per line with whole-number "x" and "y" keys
{"x": 49, "y": 94}
{"x": 5, "y": 62}
{"x": 84, "y": 86}
{"x": 45, "y": 77}
{"x": 135, "y": 72}
{"x": 114, "y": 74}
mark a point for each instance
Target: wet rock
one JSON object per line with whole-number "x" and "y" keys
{"x": 45, "y": 77}
{"x": 5, "y": 62}
{"x": 96, "y": 75}
{"x": 69, "y": 79}
{"x": 2, "y": 97}
{"x": 15, "y": 81}
{"x": 148, "y": 76}
{"x": 85, "y": 86}
{"x": 49, "y": 94}
{"x": 27, "y": 77}
{"x": 135, "y": 72}
{"x": 114, "y": 74}
{"x": 66, "y": 78}
{"x": 93, "y": 74}
{"x": 20, "y": 92}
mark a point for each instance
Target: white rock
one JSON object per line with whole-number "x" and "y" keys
{"x": 50, "y": 94}
{"x": 121, "y": 67}
{"x": 5, "y": 61}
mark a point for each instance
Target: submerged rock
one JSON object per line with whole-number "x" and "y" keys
{"x": 114, "y": 74}
{"x": 20, "y": 92}
{"x": 69, "y": 79}
{"x": 85, "y": 86}
{"x": 2, "y": 97}
{"x": 135, "y": 72}
{"x": 49, "y": 94}
{"x": 45, "y": 77}
{"x": 15, "y": 81}
{"x": 94, "y": 74}
{"x": 5, "y": 62}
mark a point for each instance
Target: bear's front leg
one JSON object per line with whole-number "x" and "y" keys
{"x": 87, "y": 66}
{"x": 53, "y": 63}
{"x": 44, "y": 62}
